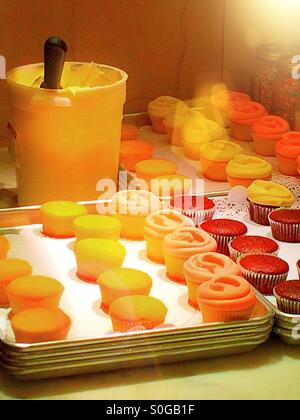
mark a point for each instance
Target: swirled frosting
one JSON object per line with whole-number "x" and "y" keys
{"x": 204, "y": 267}
{"x": 270, "y": 127}
{"x": 244, "y": 166}
{"x": 135, "y": 203}
{"x": 246, "y": 113}
{"x": 270, "y": 194}
{"x": 226, "y": 293}
{"x": 197, "y": 129}
{"x": 289, "y": 145}
{"x": 225, "y": 99}
{"x": 188, "y": 241}
{"x": 220, "y": 151}
{"x": 159, "y": 225}
{"x": 165, "y": 105}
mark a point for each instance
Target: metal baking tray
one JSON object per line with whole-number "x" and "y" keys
{"x": 99, "y": 353}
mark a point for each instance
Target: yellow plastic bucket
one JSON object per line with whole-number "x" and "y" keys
{"x": 65, "y": 140}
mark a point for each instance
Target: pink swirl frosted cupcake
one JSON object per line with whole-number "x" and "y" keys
{"x": 181, "y": 245}
{"x": 201, "y": 268}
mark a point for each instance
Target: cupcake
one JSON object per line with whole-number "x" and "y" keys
{"x": 287, "y": 152}
{"x": 265, "y": 197}
{"x": 251, "y": 245}
{"x": 170, "y": 185}
{"x": 96, "y": 226}
{"x": 214, "y": 158}
{"x": 132, "y": 152}
{"x": 10, "y": 270}
{"x": 40, "y": 325}
{"x": 226, "y": 299}
{"x": 173, "y": 124}
{"x": 131, "y": 208}
{"x": 298, "y": 268}
{"x": 157, "y": 227}
{"x": 244, "y": 169}
{"x": 298, "y": 164}
{"x": 159, "y": 109}
{"x": 152, "y": 168}
{"x": 266, "y": 132}
{"x": 263, "y": 271}
{"x": 197, "y": 131}
{"x": 243, "y": 115}
{"x": 95, "y": 256}
{"x": 58, "y": 217}
{"x": 181, "y": 245}
{"x": 197, "y": 208}
{"x": 224, "y": 100}
{"x": 288, "y": 297}
{"x": 224, "y": 231}
{"x": 137, "y": 311}
{"x": 121, "y": 282}
{"x": 201, "y": 268}
{"x": 34, "y": 292}
{"x": 129, "y": 132}
{"x": 4, "y": 247}
{"x": 285, "y": 225}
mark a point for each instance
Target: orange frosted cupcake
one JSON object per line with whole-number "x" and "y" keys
{"x": 287, "y": 152}
{"x": 40, "y": 325}
{"x": 214, "y": 158}
{"x": 152, "y": 168}
{"x": 181, "y": 245}
{"x": 244, "y": 169}
{"x": 159, "y": 109}
{"x": 4, "y": 247}
{"x": 266, "y": 132}
{"x": 157, "y": 227}
{"x": 33, "y": 292}
{"x": 224, "y": 100}
{"x": 201, "y": 268}
{"x": 121, "y": 282}
{"x": 10, "y": 270}
{"x": 137, "y": 311}
{"x": 58, "y": 218}
{"x": 243, "y": 116}
{"x": 226, "y": 299}
{"x": 129, "y": 132}
{"x": 133, "y": 152}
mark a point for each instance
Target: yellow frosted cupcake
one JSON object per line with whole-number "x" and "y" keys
{"x": 265, "y": 197}
{"x": 34, "y": 292}
{"x": 170, "y": 185}
{"x": 157, "y": 227}
{"x": 244, "y": 169}
{"x": 95, "y": 256}
{"x": 181, "y": 245}
{"x": 40, "y": 325}
{"x": 137, "y": 311}
{"x": 121, "y": 282}
{"x": 196, "y": 131}
{"x": 95, "y": 226}
{"x": 131, "y": 208}
{"x": 149, "y": 169}
{"x": 160, "y": 108}
{"x": 4, "y": 247}
{"x": 10, "y": 270}
{"x": 214, "y": 158}
{"x": 173, "y": 124}
{"x": 58, "y": 218}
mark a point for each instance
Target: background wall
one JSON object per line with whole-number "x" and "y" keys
{"x": 172, "y": 47}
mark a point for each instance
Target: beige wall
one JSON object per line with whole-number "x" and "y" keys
{"x": 166, "y": 46}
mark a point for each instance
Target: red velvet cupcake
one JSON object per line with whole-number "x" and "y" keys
{"x": 252, "y": 245}
{"x": 195, "y": 207}
{"x": 224, "y": 231}
{"x": 263, "y": 271}
{"x": 288, "y": 297}
{"x": 285, "y": 225}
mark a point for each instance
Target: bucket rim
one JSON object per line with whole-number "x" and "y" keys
{"x": 84, "y": 89}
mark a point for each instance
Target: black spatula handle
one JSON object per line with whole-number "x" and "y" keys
{"x": 55, "y": 51}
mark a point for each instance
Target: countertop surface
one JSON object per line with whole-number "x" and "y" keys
{"x": 270, "y": 372}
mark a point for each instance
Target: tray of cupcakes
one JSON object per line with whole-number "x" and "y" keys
{"x": 98, "y": 286}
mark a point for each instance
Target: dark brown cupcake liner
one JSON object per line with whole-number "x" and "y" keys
{"x": 223, "y": 243}
{"x": 198, "y": 216}
{"x": 259, "y": 213}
